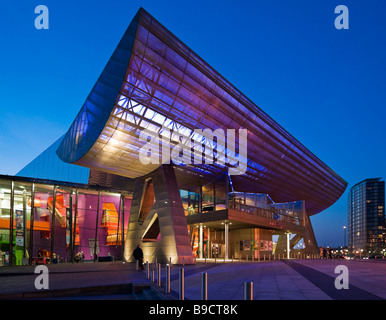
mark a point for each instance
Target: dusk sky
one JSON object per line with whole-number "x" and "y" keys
{"x": 323, "y": 85}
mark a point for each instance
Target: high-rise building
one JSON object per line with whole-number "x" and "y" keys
{"x": 366, "y": 216}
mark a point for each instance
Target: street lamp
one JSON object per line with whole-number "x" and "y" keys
{"x": 344, "y": 235}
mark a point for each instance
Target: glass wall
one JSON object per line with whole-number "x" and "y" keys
{"x": 40, "y": 246}
{"x": 261, "y": 204}
{"x": 5, "y": 214}
{"x": 60, "y": 223}
{"x": 190, "y": 202}
{"x": 210, "y": 197}
{"x": 21, "y": 217}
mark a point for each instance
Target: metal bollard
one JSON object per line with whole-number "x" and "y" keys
{"x": 204, "y": 286}
{"x": 253, "y": 257}
{"x": 147, "y": 270}
{"x": 248, "y": 290}
{"x": 152, "y": 273}
{"x": 232, "y": 257}
{"x": 136, "y": 265}
{"x": 264, "y": 257}
{"x": 168, "y": 278}
{"x": 182, "y": 285}
{"x": 159, "y": 275}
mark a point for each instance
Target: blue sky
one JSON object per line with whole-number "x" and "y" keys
{"x": 324, "y": 86}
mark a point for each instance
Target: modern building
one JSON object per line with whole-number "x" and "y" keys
{"x": 207, "y": 172}
{"x": 366, "y": 217}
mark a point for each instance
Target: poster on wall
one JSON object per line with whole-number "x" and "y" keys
{"x": 19, "y": 228}
{"x": 256, "y": 245}
{"x": 68, "y": 227}
{"x": 247, "y": 245}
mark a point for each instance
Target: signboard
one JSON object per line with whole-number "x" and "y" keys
{"x": 19, "y": 218}
{"x": 68, "y": 227}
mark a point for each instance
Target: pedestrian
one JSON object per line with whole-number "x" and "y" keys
{"x": 138, "y": 255}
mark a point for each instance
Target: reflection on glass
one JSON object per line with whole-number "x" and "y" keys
{"x": 190, "y": 202}
{"x": 61, "y": 219}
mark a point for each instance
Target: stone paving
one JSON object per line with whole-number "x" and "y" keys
{"x": 272, "y": 280}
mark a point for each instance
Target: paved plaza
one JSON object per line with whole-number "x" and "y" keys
{"x": 272, "y": 280}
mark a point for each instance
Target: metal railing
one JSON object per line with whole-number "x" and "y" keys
{"x": 278, "y": 215}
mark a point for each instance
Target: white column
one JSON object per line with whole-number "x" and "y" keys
{"x": 288, "y": 245}
{"x": 226, "y": 240}
{"x": 201, "y": 245}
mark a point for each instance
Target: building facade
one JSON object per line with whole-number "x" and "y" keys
{"x": 157, "y": 98}
{"x": 43, "y": 221}
{"x": 366, "y": 217}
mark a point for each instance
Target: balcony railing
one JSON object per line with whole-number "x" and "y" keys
{"x": 279, "y": 215}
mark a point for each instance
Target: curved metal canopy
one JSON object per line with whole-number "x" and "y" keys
{"x": 153, "y": 81}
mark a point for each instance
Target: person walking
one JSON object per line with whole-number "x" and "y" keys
{"x": 138, "y": 255}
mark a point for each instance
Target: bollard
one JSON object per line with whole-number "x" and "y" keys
{"x": 264, "y": 257}
{"x": 232, "y": 257}
{"x": 182, "y": 285}
{"x": 269, "y": 257}
{"x": 258, "y": 257}
{"x": 224, "y": 258}
{"x": 248, "y": 290}
{"x": 168, "y": 278}
{"x": 152, "y": 273}
{"x": 204, "y": 286}
{"x": 136, "y": 265}
{"x": 159, "y": 275}
{"x": 147, "y": 270}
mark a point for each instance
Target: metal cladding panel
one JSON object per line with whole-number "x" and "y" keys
{"x": 168, "y": 86}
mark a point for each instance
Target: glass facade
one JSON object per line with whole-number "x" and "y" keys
{"x": 262, "y": 205}
{"x": 44, "y": 222}
{"x": 366, "y": 217}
